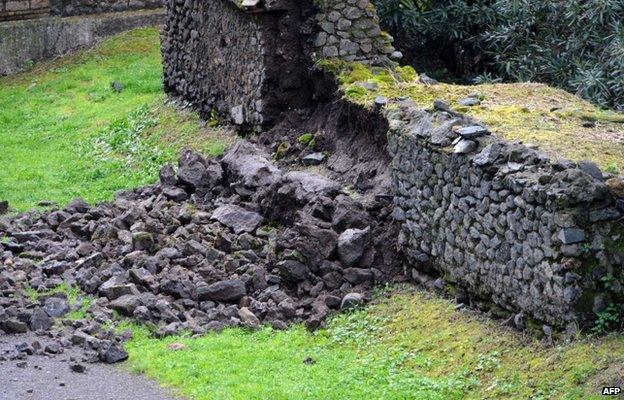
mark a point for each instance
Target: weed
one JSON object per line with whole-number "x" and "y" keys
{"x": 607, "y": 320}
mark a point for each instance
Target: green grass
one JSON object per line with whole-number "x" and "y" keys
{"x": 78, "y": 302}
{"x": 411, "y": 345}
{"x": 65, "y": 133}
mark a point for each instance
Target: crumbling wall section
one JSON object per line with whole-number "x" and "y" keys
{"x": 500, "y": 224}
{"x": 350, "y": 30}
{"x": 250, "y": 64}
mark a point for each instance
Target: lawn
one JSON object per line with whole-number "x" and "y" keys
{"x": 408, "y": 345}
{"x": 65, "y": 132}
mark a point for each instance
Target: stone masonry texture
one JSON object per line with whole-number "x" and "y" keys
{"x": 261, "y": 58}
{"x": 504, "y": 224}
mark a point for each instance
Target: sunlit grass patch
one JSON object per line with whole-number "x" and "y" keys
{"x": 55, "y": 118}
{"x": 411, "y": 345}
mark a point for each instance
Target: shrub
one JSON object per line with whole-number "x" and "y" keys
{"x": 577, "y": 45}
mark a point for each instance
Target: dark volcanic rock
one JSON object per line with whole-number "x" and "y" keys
{"x": 351, "y": 245}
{"x": 227, "y": 291}
{"x": 190, "y": 254}
{"x": 113, "y": 354}
{"x": 40, "y": 320}
{"x": 56, "y": 307}
{"x": 351, "y": 300}
{"x": 13, "y": 326}
{"x": 237, "y": 218}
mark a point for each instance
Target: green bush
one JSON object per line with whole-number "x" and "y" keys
{"x": 577, "y": 45}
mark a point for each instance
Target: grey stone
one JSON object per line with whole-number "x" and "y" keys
{"x": 351, "y": 245}
{"x": 464, "y": 147}
{"x": 113, "y": 354}
{"x": 471, "y": 132}
{"x": 237, "y": 114}
{"x": 488, "y": 155}
{"x": 381, "y": 101}
{"x": 351, "y": 301}
{"x": 237, "y": 218}
{"x": 571, "y": 235}
{"x": 313, "y": 159}
{"x": 126, "y": 304}
{"x": 249, "y": 319}
{"x": 226, "y": 291}
{"x": 13, "y": 326}
{"x": 591, "y": 168}
{"x": 469, "y": 102}
{"x": 40, "y": 320}
{"x": 56, "y": 307}
{"x": 292, "y": 271}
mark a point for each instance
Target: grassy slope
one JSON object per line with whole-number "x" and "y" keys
{"x": 561, "y": 124}
{"x": 64, "y": 131}
{"x": 411, "y": 345}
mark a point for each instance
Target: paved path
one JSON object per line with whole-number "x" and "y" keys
{"x": 45, "y": 378}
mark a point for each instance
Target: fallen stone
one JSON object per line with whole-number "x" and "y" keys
{"x": 78, "y": 368}
{"x": 351, "y": 245}
{"x": 472, "y": 132}
{"x": 488, "y": 155}
{"x": 227, "y": 291}
{"x": 591, "y": 168}
{"x": 351, "y": 301}
{"x": 469, "y": 102}
{"x": 249, "y": 319}
{"x": 237, "y": 218}
{"x": 464, "y": 147}
{"x": 13, "y": 326}
{"x": 113, "y": 354}
{"x": 126, "y": 304}
{"x": 313, "y": 159}
{"x": 40, "y": 320}
{"x": 56, "y": 307}
{"x": 571, "y": 235}
{"x": 292, "y": 271}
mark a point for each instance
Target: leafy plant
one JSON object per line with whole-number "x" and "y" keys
{"x": 577, "y": 45}
{"x": 607, "y": 320}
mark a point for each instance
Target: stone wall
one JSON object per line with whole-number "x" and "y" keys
{"x": 66, "y": 8}
{"x": 25, "y": 42}
{"x": 500, "y": 224}
{"x": 350, "y": 30}
{"x": 23, "y": 9}
{"x": 250, "y": 65}
{"x": 28, "y": 9}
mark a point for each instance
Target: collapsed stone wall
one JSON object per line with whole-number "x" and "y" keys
{"x": 262, "y": 57}
{"x": 501, "y": 224}
{"x": 65, "y": 8}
